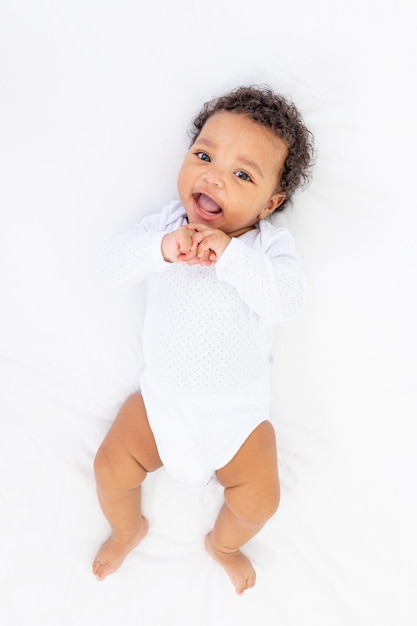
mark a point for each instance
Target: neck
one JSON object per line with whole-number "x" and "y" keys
{"x": 241, "y": 231}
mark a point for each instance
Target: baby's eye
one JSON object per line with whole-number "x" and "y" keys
{"x": 241, "y": 174}
{"x": 203, "y": 156}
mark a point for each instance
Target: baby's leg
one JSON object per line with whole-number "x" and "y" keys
{"x": 251, "y": 497}
{"x": 126, "y": 455}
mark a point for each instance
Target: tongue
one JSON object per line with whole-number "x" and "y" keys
{"x": 207, "y": 204}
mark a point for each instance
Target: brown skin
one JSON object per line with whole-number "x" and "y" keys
{"x": 236, "y": 163}
{"x": 227, "y": 183}
{"x": 251, "y": 493}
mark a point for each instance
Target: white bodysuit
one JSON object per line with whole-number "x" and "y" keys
{"x": 207, "y": 337}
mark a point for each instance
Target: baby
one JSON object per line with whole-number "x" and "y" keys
{"x": 219, "y": 276}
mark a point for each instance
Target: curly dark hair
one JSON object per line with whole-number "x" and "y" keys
{"x": 280, "y": 115}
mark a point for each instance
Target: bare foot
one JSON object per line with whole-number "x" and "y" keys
{"x": 114, "y": 551}
{"x": 237, "y": 566}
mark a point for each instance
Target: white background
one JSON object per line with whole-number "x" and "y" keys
{"x": 95, "y": 101}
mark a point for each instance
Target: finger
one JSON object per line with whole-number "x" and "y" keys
{"x": 196, "y": 235}
{"x": 202, "y": 262}
{"x": 202, "y": 259}
{"x": 196, "y": 226}
{"x": 203, "y": 246}
{"x": 184, "y": 242}
{"x": 187, "y": 256}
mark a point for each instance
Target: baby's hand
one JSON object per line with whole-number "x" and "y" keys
{"x": 194, "y": 244}
{"x": 178, "y": 246}
{"x": 210, "y": 244}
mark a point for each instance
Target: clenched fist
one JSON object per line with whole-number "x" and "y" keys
{"x": 194, "y": 244}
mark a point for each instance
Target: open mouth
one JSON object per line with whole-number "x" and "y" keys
{"x": 206, "y": 207}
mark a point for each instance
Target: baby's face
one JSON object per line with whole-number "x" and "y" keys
{"x": 228, "y": 179}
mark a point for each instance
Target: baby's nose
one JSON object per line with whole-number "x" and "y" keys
{"x": 213, "y": 177}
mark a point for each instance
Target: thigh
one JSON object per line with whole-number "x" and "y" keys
{"x": 252, "y": 474}
{"x": 130, "y": 434}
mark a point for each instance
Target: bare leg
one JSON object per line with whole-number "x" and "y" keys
{"x": 126, "y": 455}
{"x": 251, "y": 497}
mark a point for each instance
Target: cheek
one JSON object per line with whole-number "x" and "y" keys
{"x": 180, "y": 179}
{"x": 184, "y": 176}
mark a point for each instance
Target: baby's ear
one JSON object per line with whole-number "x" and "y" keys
{"x": 275, "y": 201}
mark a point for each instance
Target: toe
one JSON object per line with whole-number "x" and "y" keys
{"x": 240, "y": 587}
{"x": 98, "y": 570}
{"x": 101, "y": 570}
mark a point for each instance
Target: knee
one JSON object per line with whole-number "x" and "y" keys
{"x": 265, "y": 508}
{"x": 104, "y": 468}
{"x": 256, "y": 511}
{"x": 116, "y": 470}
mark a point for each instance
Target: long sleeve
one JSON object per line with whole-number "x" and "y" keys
{"x": 268, "y": 276}
{"x": 262, "y": 265}
{"x": 131, "y": 256}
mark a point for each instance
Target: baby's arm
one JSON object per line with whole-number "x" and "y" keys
{"x": 131, "y": 255}
{"x": 270, "y": 279}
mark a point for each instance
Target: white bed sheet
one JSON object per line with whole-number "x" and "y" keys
{"x": 95, "y": 101}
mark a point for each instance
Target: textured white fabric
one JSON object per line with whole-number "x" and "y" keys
{"x": 207, "y": 337}
{"x": 95, "y": 101}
